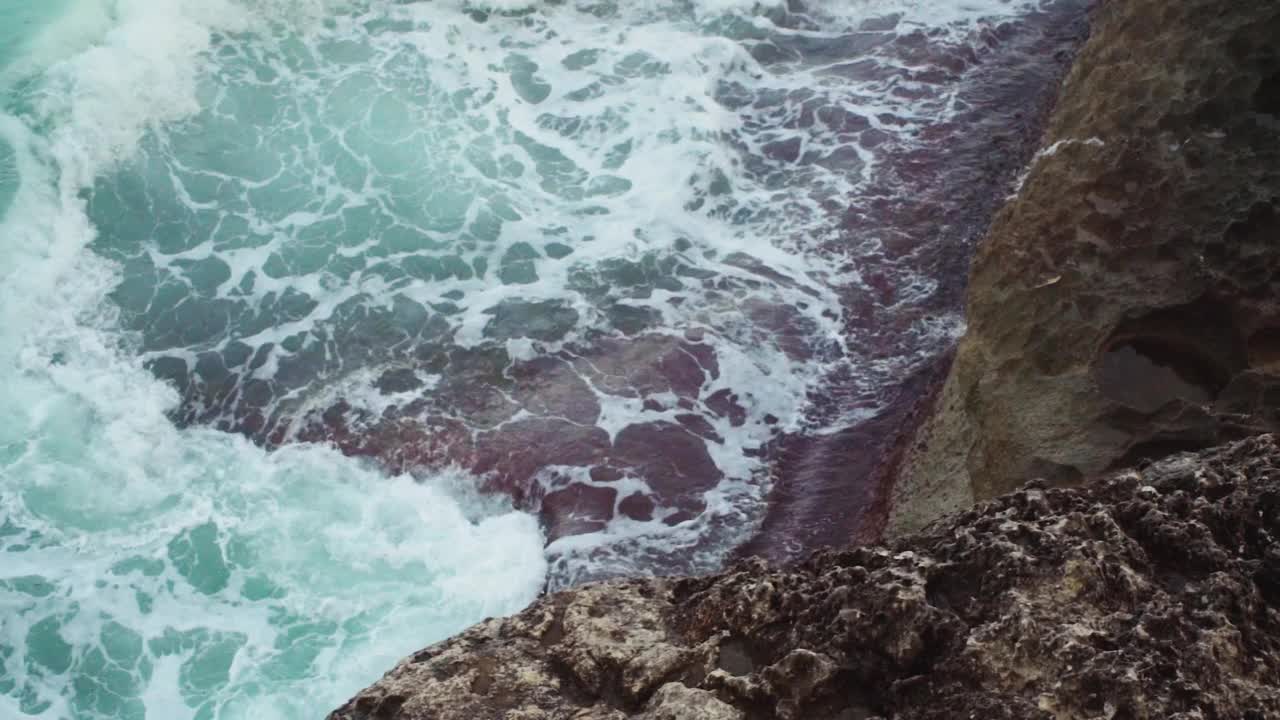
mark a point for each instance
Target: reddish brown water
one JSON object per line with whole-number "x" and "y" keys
{"x": 933, "y": 200}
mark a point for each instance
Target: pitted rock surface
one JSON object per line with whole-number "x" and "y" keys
{"x": 1124, "y": 304}
{"x": 1154, "y": 594}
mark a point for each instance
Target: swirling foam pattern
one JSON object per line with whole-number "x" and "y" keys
{"x": 587, "y": 254}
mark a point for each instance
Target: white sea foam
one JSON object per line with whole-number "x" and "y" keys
{"x": 166, "y": 573}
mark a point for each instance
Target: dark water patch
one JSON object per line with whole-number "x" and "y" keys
{"x": 927, "y": 207}
{"x": 833, "y": 489}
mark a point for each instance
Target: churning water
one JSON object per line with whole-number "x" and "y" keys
{"x": 583, "y": 253}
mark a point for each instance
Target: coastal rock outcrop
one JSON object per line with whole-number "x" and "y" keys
{"x": 1125, "y": 303}
{"x": 1152, "y": 594}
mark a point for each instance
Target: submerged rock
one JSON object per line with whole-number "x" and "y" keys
{"x": 1154, "y": 594}
{"x": 1123, "y": 306}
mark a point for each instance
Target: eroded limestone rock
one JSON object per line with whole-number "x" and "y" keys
{"x": 1153, "y": 595}
{"x": 1124, "y": 304}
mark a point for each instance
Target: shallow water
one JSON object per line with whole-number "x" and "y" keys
{"x": 322, "y": 318}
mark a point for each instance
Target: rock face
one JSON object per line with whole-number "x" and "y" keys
{"x": 1153, "y": 594}
{"x": 1124, "y": 305}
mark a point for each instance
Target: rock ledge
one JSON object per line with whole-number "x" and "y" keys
{"x": 1153, "y": 594}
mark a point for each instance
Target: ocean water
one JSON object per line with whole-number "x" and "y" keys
{"x": 321, "y": 317}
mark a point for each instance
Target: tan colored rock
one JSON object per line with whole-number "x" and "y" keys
{"x": 1126, "y": 303}
{"x": 674, "y": 701}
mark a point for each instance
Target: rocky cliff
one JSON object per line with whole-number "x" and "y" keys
{"x": 1153, "y": 594}
{"x": 1124, "y": 304}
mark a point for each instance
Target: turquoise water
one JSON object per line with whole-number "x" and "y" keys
{"x": 227, "y": 214}
{"x": 378, "y": 184}
{"x": 149, "y": 571}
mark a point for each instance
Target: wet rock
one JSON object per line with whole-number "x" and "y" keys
{"x": 725, "y": 404}
{"x": 399, "y": 380}
{"x": 647, "y": 365}
{"x": 475, "y": 385}
{"x": 700, "y": 426}
{"x": 551, "y": 387}
{"x": 1152, "y": 594}
{"x": 548, "y": 320}
{"x": 674, "y": 461}
{"x": 516, "y": 452}
{"x": 527, "y": 427}
{"x": 637, "y": 507}
{"x": 577, "y": 509}
{"x": 1123, "y": 305}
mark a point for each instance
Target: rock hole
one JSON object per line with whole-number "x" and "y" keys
{"x": 1267, "y": 98}
{"x": 1189, "y": 352}
{"x": 735, "y": 658}
{"x": 482, "y": 683}
{"x": 1142, "y": 453}
{"x": 555, "y": 633}
{"x": 1146, "y": 373}
{"x": 1264, "y": 349}
{"x": 1057, "y": 474}
{"x": 390, "y": 705}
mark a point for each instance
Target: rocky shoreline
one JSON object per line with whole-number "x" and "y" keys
{"x": 1153, "y": 594}
{"x": 1122, "y": 355}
